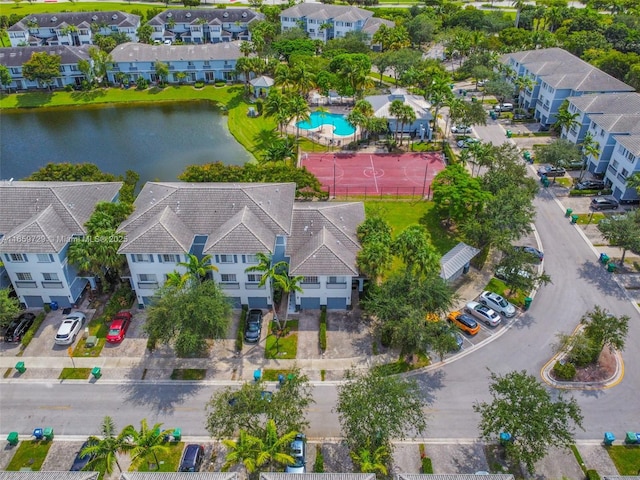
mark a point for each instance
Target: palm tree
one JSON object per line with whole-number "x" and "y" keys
{"x": 566, "y": 120}
{"x": 147, "y": 441}
{"x": 407, "y": 117}
{"x": 395, "y": 110}
{"x": 590, "y": 148}
{"x": 197, "y": 269}
{"x": 177, "y": 280}
{"x": 246, "y": 48}
{"x": 104, "y": 450}
{"x": 244, "y": 450}
{"x": 523, "y": 83}
{"x": 288, "y": 284}
{"x": 299, "y": 110}
{"x": 283, "y": 77}
{"x": 269, "y": 272}
{"x": 303, "y": 79}
{"x": 634, "y": 182}
{"x": 519, "y": 4}
{"x": 275, "y": 106}
{"x": 356, "y": 118}
{"x": 369, "y": 461}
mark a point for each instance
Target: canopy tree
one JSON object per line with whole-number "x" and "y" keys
{"x": 605, "y": 329}
{"x": 42, "y": 67}
{"x": 524, "y": 408}
{"x": 622, "y": 231}
{"x": 9, "y": 307}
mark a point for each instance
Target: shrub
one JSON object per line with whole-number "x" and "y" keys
{"x": 68, "y": 88}
{"x": 593, "y": 475}
{"x": 426, "y": 467}
{"x": 566, "y": 371}
{"x": 259, "y": 106}
{"x": 121, "y": 299}
{"x": 318, "y": 465}
{"x": 451, "y": 157}
{"x": 27, "y": 337}
{"x": 583, "y": 193}
{"x": 323, "y": 328}
{"x": 142, "y": 83}
{"x": 199, "y": 84}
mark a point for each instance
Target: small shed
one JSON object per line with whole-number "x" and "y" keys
{"x": 261, "y": 85}
{"x": 456, "y": 261}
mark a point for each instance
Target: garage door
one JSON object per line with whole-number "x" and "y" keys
{"x": 336, "y": 303}
{"x": 310, "y": 303}
{"x": 33, "y": 301}
{"x": 258, "y": 302}
{"x": 63, "y": 301}
{"x": 236, "y": 302}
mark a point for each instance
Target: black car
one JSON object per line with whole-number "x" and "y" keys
{"x": 604, "y": 203}
{"x": 550, "y": 171}
{"x": 533, "y": 252}
{"x": 192, "y": 457}
{"x": 590, "y": 185}
{"x": 81, "y": 461}
{"x": 253, "y": 326}
{"x": 18, "y": 327}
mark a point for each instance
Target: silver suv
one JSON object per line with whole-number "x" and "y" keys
{"x": 497, "y": 303}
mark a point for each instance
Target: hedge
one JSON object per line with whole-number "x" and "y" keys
{"x": 240, "y": 332}
{"x": 427, "y": 467}
{"x": 452, "y": 158}
{"x": 323, "y": 328}
{"x": 583, "y": 193}
{"x": 566, "y": 371}
{"x": 593, "y": 475}
{"x": 27, "y": 337}
{"x": 318, "y": 464}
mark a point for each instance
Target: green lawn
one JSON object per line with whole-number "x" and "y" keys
{"x": 75, "y": 374}
{"x": 626, "y": 458}
{"x": 98, "y": 328}
{"x": 168, "y": 462}
{"x": 188, "y": 374}
{"x": 286, "y": 346}
{"x": 587, "y": 218}
{"x": 499, "y": 287}
{"x": 30, "y": 454}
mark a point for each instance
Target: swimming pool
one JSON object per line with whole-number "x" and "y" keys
{"x": 316, "y": 119}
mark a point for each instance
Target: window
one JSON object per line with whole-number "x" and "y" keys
{"x": 141, "y": 257}
{"x": 23, "y": 276}
{"x": 602, "y": 132}
{"x": 167, "y": 258}
{"x": 310, "y": 280}
{"x": 624, "y": 172}
{"x": 621, "y": 149}
{"x": 615, "y": 164}
{"x": 228, "y": 277}
{"x": 17, "y": 257}
{"x": 251, "y": 259}
{"x": 147, "y": 277}
{"x": 50, "y": 277}
{"x": 254, "y": 277}
{"x": 226, "y": 259}
{"x": 44, "y": 258}
{"x": 630, "y": 157}
{"x": 340, "y": 280}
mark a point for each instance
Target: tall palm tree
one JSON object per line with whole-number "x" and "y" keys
{"x": 177, "y": 280}
{"x": 147, "y": 441}
{"x": 197, "y": 268}
{"x": 303, "y": 79}
{"x": 288, "y": 284}
{"x": 104, "y": 449}
{"x": 299, "y": 110}
{"x": 519, "y": 4}
{"x": 523, "y": 83}
{"x": 246, "y": 48}
{"x": 269, "y": 272}
{"x": 407, "y": 117}
{"x": 244, "y": 450}
{"x": 395, "y": 110}
{"x": 371, "y": 461}
{"x": 590, "y": 148}
{"x": 275, "y": 106}
{"x": 566, "y": 120}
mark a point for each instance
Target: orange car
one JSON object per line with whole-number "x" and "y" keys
{"x": 464, "y": 322}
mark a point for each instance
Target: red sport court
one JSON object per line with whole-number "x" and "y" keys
{"x": 344, "y": 174}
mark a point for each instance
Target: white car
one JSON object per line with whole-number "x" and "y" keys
{"x": 70, "y": 328}
{"x": 460, "y": 129}
{"x": 483, "y": 313}
{"x": 497, "y": 303}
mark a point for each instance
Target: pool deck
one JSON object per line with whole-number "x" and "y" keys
{"x": 324, "y": 135}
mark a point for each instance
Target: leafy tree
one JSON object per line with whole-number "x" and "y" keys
{"x": 188, "y": 317}
{"x": 501, "y": 89}
{"x": 442, "y": 337}
{"x": 558, "y": 153}
{"x": 524, "y": 408}
{"x": 457, "y": 195}
{"x": 5, "y": 76}
{"x": 605, "y": 329}
{"x": 144, "y": 33}
{"x": 42, "y": 68}
{"x": 86, "y": 69}
{"x": 146, "y": 441}
{"x": 374, "y": 409}
{"x": 518, "y": 273}
{"x": 102, "y": 62}
{"x": 622, "y": 231}
{"x": 71, "y": 172}
{"x": 232, "y": 410}
{"x": 633, "y": 181}
{"x": 9, "y": 307}
{"x": 105, "y": 448}
{"x": 162, "y": 70}
{"x": 374, "y": 258}
{"x": 413, "y": 245}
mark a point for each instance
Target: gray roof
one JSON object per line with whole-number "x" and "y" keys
{"x": 212, "y": 16}
{"x": 372, "y": 25}
{"x": 179, "y": 476}
{"x": 219, "y": 210}
{"x": 607, "y": 103}
{"x": 42, "y": 475}
{"x": 48, "y": 212}
{"x": 262, "y": 81}
{"x": 323, "y": 240}
{"x": 621, "y": 477}
{"x": 562, "y": 70}
{"x": 243, "y": 232}
{"x": 455, "y": 259}
{"x": 382, "y": 103}
{"x": 61, "y": 20}
{"x": 630, "y": 142}
{"x": 141, "y": 52}
{"x": 454, "y": 476}
{"x": 17, "y": 56}
{"x": 316, "y": 476}
{"x": 319, "y": 11}
{"x": 612, "y": 123}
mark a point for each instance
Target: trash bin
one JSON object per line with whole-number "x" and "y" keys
{"x": 256, "y": 375}
{"x": 568, "y": 212}
{"x": 177, "y": 434}
{"x": 38, "y": 433}
{"x": 604, "y": 258}
{"x": 12, "y": 438}
{"x": 54, "y": 305}
{"x": 545, "y": 182}
{"x": 20, "y": 367}
{"x": 527, "y": 302}
{"x": 509, "y": 133}
{"x": 505, "y": 438}
{"x": 611, "y": 267}
{"x": 464, "y": 93}
{"x": 492, "y": 114}
{"x": 527, "y": 155}
{"x": 96, "y": 372}
{"x": 631, "y": 437}
{"x": 290, "y": 377}
{"x": 48, "y": 433}
{"x": 609, "y": 438}
{"x": 574, "y": 218}
{"x": 280, "y": 378}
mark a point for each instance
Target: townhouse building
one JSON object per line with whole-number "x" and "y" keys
{"x": 14, "y": 57}
{"x": 187, "y": 63}
{"x": 38, "y": 222}
{"x": 557, "y": 75}
{"x": 234, "y": 222}
{"x": 71, "y": 28}
{"x": 625, "y": 161}
{"x": 203, "y": 26}
{"x": 325, "y": 22}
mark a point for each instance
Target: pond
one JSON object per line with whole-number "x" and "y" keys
{"x": 158, "y": 142}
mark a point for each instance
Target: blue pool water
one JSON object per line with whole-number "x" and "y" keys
{"x": 316, "y": 119}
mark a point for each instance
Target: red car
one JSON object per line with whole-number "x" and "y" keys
{"x": 118, "y": 328}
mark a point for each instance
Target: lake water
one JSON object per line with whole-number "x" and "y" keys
{"x": 158, "y": 142}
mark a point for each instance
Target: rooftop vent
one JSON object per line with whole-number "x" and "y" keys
{"x": 114, "y": 16}
{"x": 225, "y": 14}
{"x": 169, "y": 15}
{"x": 244, "y": 14}
{"x": 54, "y": 19}
{"x": 94, "y": 18}
{"x": 188, "y": 15}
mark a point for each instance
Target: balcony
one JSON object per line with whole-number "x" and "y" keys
{"x": 253, "y": 286}
{"x": 26, "y": 284}
{"x": 52, "y": 285}
{"x": 337, "y": 286}
{"x": 148, "y": 285}
{"x": 230, "y": 286}
{"x": 307, "y": 286}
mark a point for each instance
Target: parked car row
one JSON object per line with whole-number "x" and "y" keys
{"x": 489, "y": 309}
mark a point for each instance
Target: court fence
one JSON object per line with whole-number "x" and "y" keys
{"x": 364, "y": 193}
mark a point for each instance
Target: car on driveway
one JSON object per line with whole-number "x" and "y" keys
{"x": 590, "y": 185}
{"x": 604, "y": 203}
{"x": 497, "y": 303}
{"x": 81, "y": 461}
{"x": 534, "y": 252}
{"x": 69, "y": 328}
{"x": 573, "y": 165}
{"x": 119, "y": 326}
{"x": 505, "y": 107}
{"x": 483, "y": 313}
{"x": 460, "y": 129}
{"x": 466, "y": 142}
{"x": 192, "y": 458}
{"x": 253, "y": 326}
{"x": 551, "y": 171}
{"x": 464, "y": 322}
{"x": 298, "y": 450}
{"x": 18, "y": 327}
